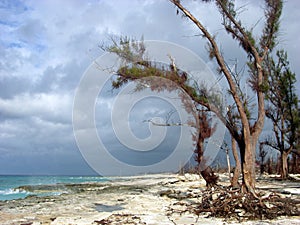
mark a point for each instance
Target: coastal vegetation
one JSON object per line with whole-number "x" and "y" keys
{"x": 272, "y": 95}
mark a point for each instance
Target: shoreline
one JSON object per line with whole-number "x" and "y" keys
{"x": 141, "y": 199}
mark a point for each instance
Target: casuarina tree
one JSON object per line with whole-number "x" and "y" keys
{"x": 282, "y": 109}
{"x": 248, "y": 129}
{"x": 245, "y": 125}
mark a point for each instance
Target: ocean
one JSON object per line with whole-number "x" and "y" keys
{"x": 16, "y": 187}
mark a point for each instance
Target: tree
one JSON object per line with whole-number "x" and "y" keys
{"x": 282, "y": 109}
{"x": 237, "y": 169}
{"x": 295, "y": 167}
{"x": 137, "y": 67}
{"x": 206, "y": 129}
{"x": 233, "y": 118}
{"x": 234, "y": 180}
{"x": 262, "y": 155}
{"x": 248, "y": 133}
{"x": 296, "y": 153}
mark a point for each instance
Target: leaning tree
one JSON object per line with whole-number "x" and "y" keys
{"x": 159, "y": 77}
{"x": 243, "y": 125}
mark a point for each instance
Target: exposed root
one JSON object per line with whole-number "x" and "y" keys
{"x": 226, "y": 203}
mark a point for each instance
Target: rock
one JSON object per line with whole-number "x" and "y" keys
{"x": 166, "y": 192}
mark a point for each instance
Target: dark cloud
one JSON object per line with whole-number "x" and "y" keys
{"x": 46, "y": 46}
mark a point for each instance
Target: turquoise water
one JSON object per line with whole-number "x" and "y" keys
{"x": 11, "y": 186}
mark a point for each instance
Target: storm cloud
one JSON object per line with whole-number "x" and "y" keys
{"x": 46, "y": 46}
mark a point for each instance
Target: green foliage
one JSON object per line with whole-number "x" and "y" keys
{"x": 273, "y": 12}
{"x": 228, "y": 5}
{"x": 251, "y": 38}
{"x": 137, "y": 67}
{"x": 264, "y": 87}
{"x": 129, "y": 50}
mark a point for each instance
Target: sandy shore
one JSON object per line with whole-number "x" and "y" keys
{"x": 133, "y": 200}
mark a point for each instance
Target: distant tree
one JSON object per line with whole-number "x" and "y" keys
{"x": 225, "y": 147}
{"x": 282, "y": 109}
{"x": 295, "y": 167}
{"x": 270, "y": 165}
{"x": 234, "y": 179}
{"x": 262, "y": 155}
{"x": 296, "y": 151}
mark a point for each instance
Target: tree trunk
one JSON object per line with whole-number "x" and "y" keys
{"x": 270, "y": 165}
{"x": 293, "y": 166}
{"x": 237, "y": 169}
{"x": 248, "y": 166}
{"x": 205, "y": 171}
{"x": 209, "y": 176}
{"x": 228, "y": 163}
{"x": 278, "y": 164}
{"x": 295, "y": 163}
{"x": 262, "y": 166}
{"x": 284, "y": 165}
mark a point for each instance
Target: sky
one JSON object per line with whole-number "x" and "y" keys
{"x": 46, "y": 46}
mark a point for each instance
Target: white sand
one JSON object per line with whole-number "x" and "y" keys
{"x": 136, "y": 199}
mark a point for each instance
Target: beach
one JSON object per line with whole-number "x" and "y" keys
{"x": 144, "y": 199}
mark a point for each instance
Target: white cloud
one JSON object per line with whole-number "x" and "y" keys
{"x": 52, "y": 107}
